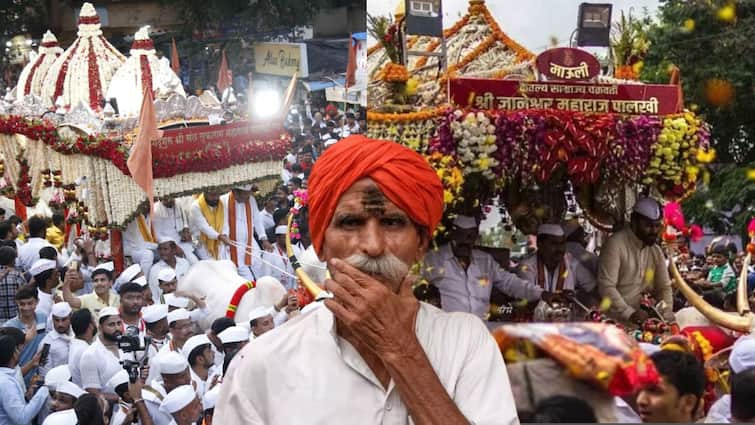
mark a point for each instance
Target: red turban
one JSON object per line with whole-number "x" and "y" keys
{"x": 403, "y": 176}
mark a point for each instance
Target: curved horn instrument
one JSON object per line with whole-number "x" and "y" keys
{"x": 306, "y": 281}
{"x": 743, "y": 304}
{"x": 741, "y": 323}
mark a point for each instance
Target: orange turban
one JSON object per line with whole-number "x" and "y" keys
{"x": 403, "y": 176}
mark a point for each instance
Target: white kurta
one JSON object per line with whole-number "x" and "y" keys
{"x": 98, "y": 365}
{"x": 182, "y": 267}
{"x": 152, "y": 402}
{"x": 243, "y": 236}
{"x": 198, "y": 226}
{"x": 133, "y": 240}
{"x": 276, "y": 263}
{"x": 203, "y": 386}
{"x": 28, "y": 253}
{"x": 303, "y": 373}
{"x": 60, "y": 346}
{"x": 77, "y": 348}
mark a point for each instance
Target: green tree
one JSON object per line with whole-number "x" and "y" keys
{"x": 706, "y": 45}
{"x": 727, "y": 204}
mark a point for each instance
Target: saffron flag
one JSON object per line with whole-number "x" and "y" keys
{"x": 140, "y": 159}
{"x": 351, "y": 67}
{"x": 225, "y": 78}
{"x": 289, "y": 97}
{"x": 175, "y": 63}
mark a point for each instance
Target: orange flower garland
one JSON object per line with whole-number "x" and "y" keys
{"x": 430, "y": 48}
{"x": 395, "y": 73}
{"x": 422, "y": 115}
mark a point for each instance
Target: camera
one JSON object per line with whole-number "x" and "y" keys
{"x": 130, "y": 341}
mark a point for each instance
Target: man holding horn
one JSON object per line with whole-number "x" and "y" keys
{"x": 372, "y": 353}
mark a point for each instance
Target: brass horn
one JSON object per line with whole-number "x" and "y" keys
{"x": 312, "y": 287}
{"x": 744, "y": 322}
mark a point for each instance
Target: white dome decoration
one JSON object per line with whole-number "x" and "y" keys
{"x": 142, "y": 67}
{"x": 34, "y": 72}
{"x": 83, "y": 72}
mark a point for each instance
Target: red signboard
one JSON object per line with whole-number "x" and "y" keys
{"x": 630, "y": 99}
{"x": 213, "y": 147}
{"x": 567, "y": 64}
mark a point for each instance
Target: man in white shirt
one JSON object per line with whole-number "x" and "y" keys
{"x": 168, "y": 259}
{"x": 140, "y": 242}
{"x": 174, "y": 372}
{"x": 201, "y": 358}
{"x": 59, "y": 338}
{"x": 28, "y": 253}
{"x": 551, "y": 267}
{"x": 84, "y": 329}
{"x": 46, "y": 279}
{"x": 101, "y": 360}
{"x": 183, "y": 405}
{"x": 466, "y": 276}
{"x": 741, "y": 359}
{"x": 374, "y": 206}
{"x": 239, "y": 225}
{"x": 206, "y": 219}
{"x": 265, "y": 216}
{"x": 276, "y": 262}
{"x": 170, "y": 221}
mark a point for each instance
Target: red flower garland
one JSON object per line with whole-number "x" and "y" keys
{"x": 95, "y": 90}
{"x": 215, "y": 157}
{"x": 27, "y": 86}
{"x": 63, "y": 71}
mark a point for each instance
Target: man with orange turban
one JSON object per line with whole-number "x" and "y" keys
{"x": 372, "y": 354}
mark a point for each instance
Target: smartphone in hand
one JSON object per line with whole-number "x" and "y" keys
{"x": 44, "y": 354}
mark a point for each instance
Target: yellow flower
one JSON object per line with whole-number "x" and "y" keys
{"x": 751, "y": 174}
{"x": 706, "y": 157}
{"x": 727, "y": 13}
{"x": 484, "y": 163}
{"x": 411, "y": 86}
{"x": 448, "y": 197}
{"x": 637, "y": 67}
{"x": 689, "y": 25}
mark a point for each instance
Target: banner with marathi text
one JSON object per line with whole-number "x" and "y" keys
{"x": 631, "y": 99}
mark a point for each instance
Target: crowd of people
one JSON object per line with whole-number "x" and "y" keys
{"x": 82, "y": 343}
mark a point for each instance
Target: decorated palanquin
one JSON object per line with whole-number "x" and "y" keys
{"x": 65, "y": 146}
{"x": 500, "y": 121}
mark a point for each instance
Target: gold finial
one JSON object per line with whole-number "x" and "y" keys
{"x": 400, "y": 10}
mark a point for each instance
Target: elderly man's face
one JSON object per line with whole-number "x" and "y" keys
{"x": 551, "y": 249}
{"x": 373, "y": 234}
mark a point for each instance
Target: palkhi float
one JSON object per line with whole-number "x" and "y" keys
{"x": 67, "y": 128}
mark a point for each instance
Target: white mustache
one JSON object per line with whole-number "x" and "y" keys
{"x": 387, "y": 265}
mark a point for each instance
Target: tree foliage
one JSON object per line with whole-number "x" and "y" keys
{"x": 21, "y": 17}
{"x": 707, "y": 43}
{"x": 727, "y": 204}
{"x": 239, "y": 17}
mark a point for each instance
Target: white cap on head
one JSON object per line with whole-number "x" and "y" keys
{"x": 571, "y": 226}
{"x": 57, "y": 375}
{"x": 261, "y": 311}
{"x": 62, "y": 417}
{"x": 141, "y": 281}
{"x": 330, "y": 142}
{"x": 465, "y": 222}
{"x": 742, "y": 354}
{"x": 153, "y": 313}
{"x": 165, "y": 239}
{"x": 281, "y": 230}
{"x": 172, "y": 363}
{"x": 177, "y": 399}
{"x": 210, "y": 397}
{"x": 234, "y": 334}
{"x": 68, "y": 387}
{"x": 130, "y": 273}
{"x": 174, "y": 301}
{"x": 61, "y": 309}
{"x": 550, "y": 230}
{"x": 108, "y": 311}
{"x": 649, "y": 208}
{"x": 194, "y": 342}
{"x": 109, "y": 266}
{"x": 119, "y": 378}
{"x": 166, "y": 275}
{"x": 178, "y": 314}
{"x": 244, "y": 187}
{"x": 42, "y": 265}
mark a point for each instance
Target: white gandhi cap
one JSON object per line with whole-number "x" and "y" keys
{"x": 179, "y": 314}
{"x": 649, "y": 208}
{"x": 194, "y": 342}
{"x": 172, "y": 363}
{"x": 61, "y": 309}
{"x": 465, "y": 222}
{"x": 177, "y": 399}
{"x": 550, "y": 229}
{"x": 174, "y": 301}
{"x": 234, "y": 334}
{"x": 153, "y": 313}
